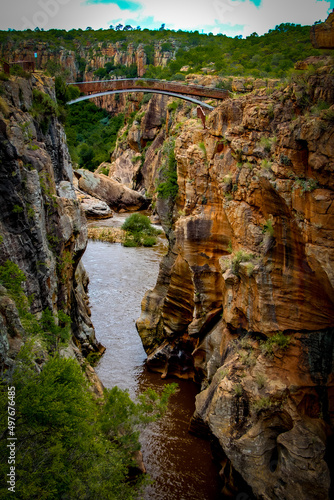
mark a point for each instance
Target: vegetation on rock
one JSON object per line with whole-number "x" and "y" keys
{"x": 168, "y": 186}
{"x": 68, "y": 443}
{"x": 139, "y": 231}
{"x": 270, "y": 55}
{"x": 91, "y": 134}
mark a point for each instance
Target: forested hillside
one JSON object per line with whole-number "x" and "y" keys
{"x": 270, "y": 55}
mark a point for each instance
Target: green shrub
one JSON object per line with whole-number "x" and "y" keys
{"x": 179, "y": 77}
{"x": 285, "y": 160}
{"x": 328, "y": 115}
{"x": 3, "y": 76}
{"x": 267, "y": 143}
{"x": 149, "y": 241}
{"x": 139, "y": 231}
{"x": 130, "y": 242}
{"x": 11, "y": 277}
{"x": 17, "y": 209}
{"x": 43, "y": 109}
{"x": 306, "y": 185}
{"x": 238, "y": 389}
{"x": 172, "y": 106}
{"x": 268, "y": 228}
{"x": 146, "y": 98}
{"x": 320, "y": 106}
{"x": 240, "y": 256}
{"x": 263, "y": 403}
{"x": 68, "y": 445}
{"x": 169, "y": 187}
{"x": 17, "y": 70}
{"x": 266, "y": 164}
{"x": 203, "y": 149}
{"x": 4, "y": 108}
{"x": 279, "y": 340}
{"x": 260, "y": 380}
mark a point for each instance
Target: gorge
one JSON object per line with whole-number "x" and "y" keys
{"x": 243, "y": 303}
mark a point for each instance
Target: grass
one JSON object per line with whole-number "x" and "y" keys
{"x": 240, "y": 256}
{"x": 4, "y": 108}
{"x": 268, "y": 228}
{"x": 111, "y": 235}
{"x": 260, "y": 380}
{"x": 263, "y": 403}
{"x": 266, "y": 164}
{"x": 203, "y": 149}
{"x": 238, "y": 389}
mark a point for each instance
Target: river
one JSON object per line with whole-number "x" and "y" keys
{"x": 180, "y": 463}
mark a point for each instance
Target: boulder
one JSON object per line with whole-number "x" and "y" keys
{"x": 116, "y": 195}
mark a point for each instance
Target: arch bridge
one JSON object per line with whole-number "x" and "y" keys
{"x": 180, "y": 90}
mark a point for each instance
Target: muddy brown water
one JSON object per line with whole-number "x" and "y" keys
{"x": 179, "y": 463}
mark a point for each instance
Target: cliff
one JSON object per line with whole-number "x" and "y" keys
{"x": 244, "y": 300}
{"x": 43, "y": 229}
{"x": 322, "y": 35}
{"x": 81, "y": 62}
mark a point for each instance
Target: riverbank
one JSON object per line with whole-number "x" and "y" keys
{"x": 110, "y": 235}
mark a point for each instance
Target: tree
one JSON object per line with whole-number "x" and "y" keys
{"x": 69, "y": 445}
{"x": 119, "y": 27}
{"x": 162, "y": 27}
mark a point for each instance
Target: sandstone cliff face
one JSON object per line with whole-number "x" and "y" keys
{"x": 43, "y": 229}
{"x": 95, "y": 57}
{"x": 245, "y": 296}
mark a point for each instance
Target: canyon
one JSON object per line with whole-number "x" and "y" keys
{"x": 244, "y": 300}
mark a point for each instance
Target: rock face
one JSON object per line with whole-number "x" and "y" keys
{"x": 95, "y": 55}
{"x": 43, "y": 229}
{"x": 322, "y": 35}
{"x": 244, "y": 300}
{"x": 116, "y": 195}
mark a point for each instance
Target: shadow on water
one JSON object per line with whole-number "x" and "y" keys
{"x": 180, "y": 463}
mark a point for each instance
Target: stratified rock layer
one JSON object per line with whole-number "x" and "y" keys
{"x": 244, "y": 301}
{"x": 43, "y": 229}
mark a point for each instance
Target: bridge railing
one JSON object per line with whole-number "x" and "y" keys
{"x": 126, "y": 83}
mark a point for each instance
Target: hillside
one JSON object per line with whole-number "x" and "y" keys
{"x": 160, "y": 54}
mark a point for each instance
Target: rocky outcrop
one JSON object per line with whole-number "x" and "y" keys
{"x": 43, "y": 229}
{"x": 94, "y": 208}
{"x": 322, "y": 35}
{"x": 96, "y": 55}
{"x": 116, "y": 195}
{"x": 244, "y": 300}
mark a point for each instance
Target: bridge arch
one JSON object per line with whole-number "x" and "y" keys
{"x": 153, "y": 91}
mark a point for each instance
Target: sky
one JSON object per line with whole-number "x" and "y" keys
{"x": 230, "y": 17}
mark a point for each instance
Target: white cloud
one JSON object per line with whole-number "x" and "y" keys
{"x": 212, "y": 15}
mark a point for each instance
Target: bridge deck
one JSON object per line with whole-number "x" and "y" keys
{"x": 142, "y": 85}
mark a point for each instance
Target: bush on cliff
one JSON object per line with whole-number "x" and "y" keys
{"x": 43, "y": 109}
{"x": 168, "y": 186}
